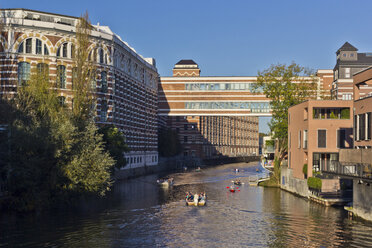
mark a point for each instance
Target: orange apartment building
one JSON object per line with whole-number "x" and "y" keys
{"x": 317, "y": 130}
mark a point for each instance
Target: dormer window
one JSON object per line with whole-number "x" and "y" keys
{"x": 344, "y": 54}
{"x": 352, "y": 55}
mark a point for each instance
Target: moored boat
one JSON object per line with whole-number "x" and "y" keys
{"x": 166, "y": 182}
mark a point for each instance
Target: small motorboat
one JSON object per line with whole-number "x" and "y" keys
{"x": 198, "y": 169}
{"x": 237, "y": 182}
{"x": 165, "y": 182}
{"x": 236, "y": 170}
{"x": 232, "y": 188}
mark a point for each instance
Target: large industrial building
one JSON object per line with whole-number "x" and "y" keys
{"x": 125, "y": 83}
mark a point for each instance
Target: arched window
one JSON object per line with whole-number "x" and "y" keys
{"x": 23, "y": 73}
{"x": 43, "y": 68}
{"x": 38, "y": 47}
{"x": 61, "y": 76}
{"x": 104, "y": 81}
{"x": 101, "y": 56}
{"x": 29, "y": 45}
{"x": 46, "y": 51}
{"x": 64, "y": 50}
{"x": 20, "y": 48}
{"x": 103, "y": 110}
{"x": 72, "y": 51}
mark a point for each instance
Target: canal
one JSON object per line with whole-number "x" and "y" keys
{"x": 139, "y": 213}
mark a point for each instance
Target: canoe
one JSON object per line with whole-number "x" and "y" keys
{"x": 202, "y": 203}
{"x": 237, "y": 183}
{"x": 165, "y": 183}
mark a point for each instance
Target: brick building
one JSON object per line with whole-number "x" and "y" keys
{"x": 317, "y": 130}
{"x": 125, "y": 83}
{"x": 349, "y": 62}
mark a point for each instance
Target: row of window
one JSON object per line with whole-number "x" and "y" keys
{"x": 321, "y": 138}
{"x": 257, "y": 107}
{"x": 362, "y": 126}
{"x": 221, "y": 86}
{"x": 66, "y": 50}
{"x": 136, "y": 160}
{"x": 331, "y": 113}
{"x": 24, "y": 72}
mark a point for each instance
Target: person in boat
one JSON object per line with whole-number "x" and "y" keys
{"x": 236, "y": 170}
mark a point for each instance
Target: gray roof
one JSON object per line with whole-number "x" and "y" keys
{"x": 347, "y": 47}
{"x": 186, "y": 62}
{"x": 364, "y": 60}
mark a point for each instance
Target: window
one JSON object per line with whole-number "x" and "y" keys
{"x": 92, "y": 79}
{"x": 103, "y": 110}
{"x": 62, "y": 100}
{"x": 362, "y": 126}
{"x": 64, "y": 50}
{"x": 346, "y": 96}
{"x": 20, "y": 48}
{"x": 347, "y": 72}
{"x": 299, "y": 139}
{"x": 38, "y": 46}
{"x": 46, "y": 51}
{"x": 29, "y": 45}
{"x": 43, "y": 69}
{"x": 341, "y": 138}
{"x": 185, "y": 126}
{"x": 101, "y": 56}
{"x": 289, "y": 140}
{"x": 72, "y": 51}
{"x": 23, "y": 73}
{"x": 322, "y": 138}
{"x": 104, "y": 81}
{"x": 368, "y": 127}
{"x": 185, "y": 139}
{"x": 61, "y": 76}
{"x": 305, "y": 139}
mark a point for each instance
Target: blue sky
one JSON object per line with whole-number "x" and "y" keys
{"x": 227, "y": 37}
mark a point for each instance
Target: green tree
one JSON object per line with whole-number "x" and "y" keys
{"x": 83, "y": 73}
{"x": 285, "y": 86}
{"x": 114, "y": 143}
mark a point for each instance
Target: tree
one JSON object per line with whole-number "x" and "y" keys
{"x": 114, "y": 143}
{"x": 285, "y": 86}
{"x": 83, "y": 73}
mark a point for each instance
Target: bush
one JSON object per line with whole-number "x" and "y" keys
{"x": 314, "y": 183}
{"x": 345, "y": 113}
{"x": 304, "y": 169}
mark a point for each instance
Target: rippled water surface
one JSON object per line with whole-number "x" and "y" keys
{"x": 139, "y": 213}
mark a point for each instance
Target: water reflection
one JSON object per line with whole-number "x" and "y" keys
{"x": 139, "y": 213}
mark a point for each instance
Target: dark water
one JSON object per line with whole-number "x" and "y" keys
{"x": 138, "y": 213}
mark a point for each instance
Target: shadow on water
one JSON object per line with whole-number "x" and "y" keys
{"x": 139, "y": 213}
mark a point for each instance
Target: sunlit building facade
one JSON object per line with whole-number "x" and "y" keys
{"x": 125, "y": 83}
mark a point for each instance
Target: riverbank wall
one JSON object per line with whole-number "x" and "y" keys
{"x": 174, "y": 164}
{"x": 362, "y": 198}
{"x": 293, "y": 185}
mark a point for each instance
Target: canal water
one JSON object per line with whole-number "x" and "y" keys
{"x": 139, "y": 213}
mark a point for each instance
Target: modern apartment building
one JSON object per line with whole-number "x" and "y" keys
{"x": 125, "y": 83}
{"x": 317, "y": 130}
{"x": 349, "y": 62}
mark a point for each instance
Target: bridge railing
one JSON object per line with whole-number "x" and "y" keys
{"x": 358, "y": 170}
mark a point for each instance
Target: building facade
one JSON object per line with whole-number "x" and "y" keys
{"x": 317, "y": 130}
{"x": 125, "y": 83}
{"x": 349, "y": 62}
{"x": 221, "y": 111}
{"x": 213, "y": 116}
